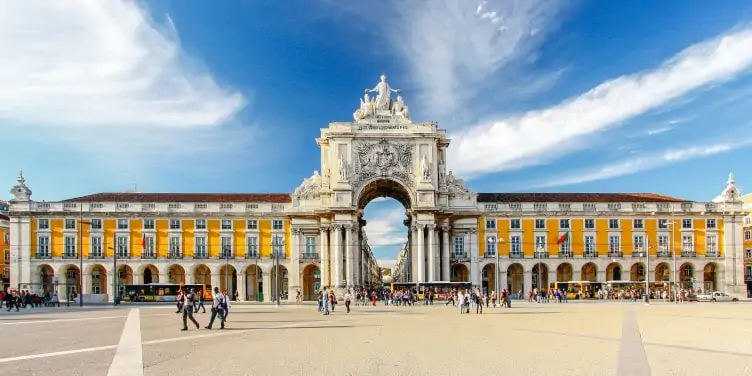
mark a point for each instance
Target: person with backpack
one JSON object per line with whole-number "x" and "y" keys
{"x": 218, "y": 303}
{"x": 189, "y": 299}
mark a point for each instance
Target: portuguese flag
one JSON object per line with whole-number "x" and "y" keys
{"x": 563, "y": 239}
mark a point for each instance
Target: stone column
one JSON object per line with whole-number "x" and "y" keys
{"x": 326, "y": 279}
{"x": 527, "y": 283}
{"x": 293, "y": 283}
{"x": 413, "y": 270}
{"x": 421, "y": 269}
{"x": 472, "y": 242}
{"x": 241, "y": 285}
{"x": 349, "y": 256}
{"x": 337, "y": 254}
{"x": 503, "y": 282}
{"x": 357, "y": 252}
{"x": 601, "y": 275}
{"x": 267, "y": 288}
{"x": 432, "y": 253}
{"x": 445, "y": 247}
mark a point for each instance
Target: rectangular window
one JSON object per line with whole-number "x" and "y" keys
{"x": 663, "y": 244}
{"x": 278, "y": 245}
{"x": 174, "y": 247}
{"x": 564, "y": 223}
{"x": 590, "y": 224}
{"x": 43, "y": 247}
{"x": 226, "y": 224}
{"x": 70, "y": 224}
{"x": 199, "y": 248}
{"x": 590, "y": 246}
{"x": 491, "y": 246}
{"x": 540, "y": 224}
{"x": 565, "y": 248}
{"x": 96, "y": 246}
{"x": 686, "y": 223}
{"x": 711, "y": 245}
{"x": 149, "y": 224}
{"x": 121, "y": 245}
{"x": 458, "y": 246}
{"x": 613, "y": 224}
{"x": 638, "y": 224}
{"x": 43, "y": 224}
{"x": 687, "y": 244}
{"x": 710, "y": 223}
{"x": 6, "y": 237}
{"x": 747, "y": 235}
{"x": 490, "y": 224}
{"x": 310, "y": 245}
{"x": 278, "y": 224}
{"x": 540, "y": 243}
{"x": 614, "y": 245}
{"x": 252, "y": 247}
{"x": 122, "y": 224}
{"x": 148, "y": 250}
{"x": 639, "y": 245}
{"x": 663, "y": 224}
{"x": 748, "y": 253}
{"x": 96, "y": 224}
{"x": 226, "y": 246}
{"x": 251, "y": 224}
{"x": 70, "y": 246}
{"x": 516, "y": 246}
{"x": 515, "y": 224}
{"x": 200, "y": 224}
{"x": 174, "y": 224}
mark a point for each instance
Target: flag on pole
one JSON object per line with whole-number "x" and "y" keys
{"x": 143, "y": 241}
{"x": 563, "y": 239}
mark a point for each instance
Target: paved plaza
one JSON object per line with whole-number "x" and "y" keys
{"x": 576, "y": 338}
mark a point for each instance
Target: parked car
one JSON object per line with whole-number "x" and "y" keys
{"x": 716, "y": 296}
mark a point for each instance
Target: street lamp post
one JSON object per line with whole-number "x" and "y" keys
{"x": 540, "y": 256}
{"x": 492, "y": 241}
{"x": 275, "y": 247}
{"x": 646, "y": 250}
{"x": 114, "y": 271}
{"x": 81, "y": 222}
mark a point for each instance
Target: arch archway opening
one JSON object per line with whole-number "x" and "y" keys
{"x": 613, "y": 272}
{"x": 281, "y": 277}
{"x": 564, "y": 272}
{"x": 637, "y": 272}
{"x": 383, "y": 206}
{"x": 540, "y": 272}
{"x": 254, "y": 283}
{"x": 311, "y": 282}
{"x": 710, "y": 277}
{"x": 515, "y": 274}
{"x": 98, "y": 280}
{"x": 589, "y": 272}
{"x": 488, "y": 278}
{"x": 228, "y": 279}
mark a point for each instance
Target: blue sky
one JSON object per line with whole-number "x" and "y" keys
{"x": 537, "y": 95}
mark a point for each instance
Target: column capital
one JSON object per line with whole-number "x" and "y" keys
{"x": 431, "y": 226}
{"x": 297, "y": 231}
{"x": 473, "y": 230}
{"x": 337, "y": 226}
{"x": 446, "y": 228}
{"x": 325, "y": 227}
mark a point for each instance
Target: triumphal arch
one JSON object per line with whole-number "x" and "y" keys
{"x": 383, "y": 153}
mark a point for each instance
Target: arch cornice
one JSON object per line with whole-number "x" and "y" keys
{"x": 384, "y": 186}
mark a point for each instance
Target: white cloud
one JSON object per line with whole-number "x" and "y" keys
{"x": 105, "y": 78}
{"x": 657, "y": 131}
{"x": 385, "y": 228}
{"x": 385, "y": 263}
{"x": 648, "y": 162}
{"x": 541, "y": 135}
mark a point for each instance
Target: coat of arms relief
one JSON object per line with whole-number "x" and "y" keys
{"x": 382, "y": 159}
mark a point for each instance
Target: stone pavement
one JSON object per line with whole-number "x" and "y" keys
{"x": 604, "y": 338}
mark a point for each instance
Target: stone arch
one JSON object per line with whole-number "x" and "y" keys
{"x": 662, "y": 273}
{"x": 228, "y": 279}
{"x": 564, "y": 272}
{"x": 488, "y": 278}
{"x": 613, "y": 272}
{"x": 175, "y": 274}
{"x": 71, "y": 276}
{"x": 97, "y": 279}
{"x": 637, "y": 272}
{"x": 686, "y": 274}
{"x": 384, "y": 187}
{"x": 710, "y": 277}
{"x": 282, "y": 277}
{"x": 589, "y": 272}
{"x": 202, "y": 275}
{"x": 46, "y": 277}
{"x": 149, "y": 274}
{"x": 311, "y": 282}
{"x": 515, "y": 275}
{"x": 254, "y": 283}
{"x": 459, "y": 273}
{"x": 543, "y": 275}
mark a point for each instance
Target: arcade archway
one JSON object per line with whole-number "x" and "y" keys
{"x": 46, "y": 278}
{"x": 460, "y": 273}
{"x": 541, "y": 274}
{"x": 613, "y": 272}
{"x": 515, "y": 274}
{"x": 564, "y": 272}
{"x": 176, "y": 274}
{"x": 150, "y": 274}
{"x": 282, "y": 277}
{"x": 637, "y": 272}
{"x": 589, "y": 272}
{"x": 488, "y": 278}
{"x": 710, "y": 277}
{"x": 202, "y": 275}
{"x": 662, "y": 272}
{"x": 254, "y": 285}
{"x": 228, "y": 279}
{"x": 311, "y": 282}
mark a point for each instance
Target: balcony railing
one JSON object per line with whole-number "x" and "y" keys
{"x": 200, "y": 255}
{"x": 226, "y": 255}
{"x": 712, "y": 254}
{"x": 490, "y": 254}
{"x": 123, "y": 255}
{"x": 539, "y": 254}
{"x": 689, "y": 254}
{"x": 69, "y": 256}
{"x": 148, "y": 255}
{"x": 459, "y": 256}
{"x": 516, "y": 255}
{"x": 663, "y": 254}
{"x": 96, "y": 256}
{"x": 280, "y": 253}
{"x": 175, "y": 255}
{"x": 252, "y": 255}
{"x": 590, "y": 254}
{"x": 567, "y": 254}
{"x": 309, "y": 256}
{"x": 43, "y": 255}
{"x": 615, "y": 254}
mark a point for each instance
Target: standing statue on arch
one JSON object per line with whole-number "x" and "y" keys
{"x": 384, "y": 94}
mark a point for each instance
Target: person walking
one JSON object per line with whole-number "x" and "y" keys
{"x": 226, "y": 306}
{"x": 348, "y": 298}
{"x": 325, "y": 301}
{"x": 217, "y": 309}
{"x": 200, "y": 303}
{"x": 188, "y": 300}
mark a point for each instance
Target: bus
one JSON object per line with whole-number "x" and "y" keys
{"x": 163, "y": 292}
{"x": 578, "y": 289}
{"x": 440, "y": 289}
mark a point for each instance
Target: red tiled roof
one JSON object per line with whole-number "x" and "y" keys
{"x": 274, "y": 198}
{"x": 576, "y": 197}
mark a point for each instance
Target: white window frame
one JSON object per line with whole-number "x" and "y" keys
{"x": 515, "y": 248}
{"x": 638, "y": 223}
{"x": 149, "y": 224}
{"x": 685, "y": 222}
{"x": 175, "y": 224}
{"x": 175, "y": 246}
{"x": 96, "y": 224}
{"x": 711, "y": 244}
{"x": 663, "y": 243}
{"x": 278, "y": 224}
{"x": 67, "y": 222}
{"x": 278, "y": 245}
{"x": 491, "y": 246}
{"x": 251, "y": 224}
{"x": 200, "y": 224}
{"x": 95, "y": 281}
{"x": 252, "y": 246}
{"x": 95, "y": 246}
{"x": 711, "y": 223}
{"x": 43, "y": 246}
{"x": 589, "y": 245}
{"x": 540, "y": 242}
{"x": 638, "y": 243}
{"x": 590, "y": 221}
{"x": 540, "y": 221}
{"x": 69, "y": 246}
{"x": 748, "y": 253}
{"x": 225, "y": 224}
{"x": 122, "y": 246}
{"x": 43, "y": 224}
{"x": 490, "y": 224}
{"x": 310, "y": 245}
{"x": 122, "y": 221}
{"x": 688, "y": 246}
{"x": 517, "y": 222}
{"x": 611, "y": 223}
{"x": 663, "y": 224}
{"x": 226, "y": 247}
{"x": 565, "y": 223}
{"x": 150, "y": 249}
{"x": 458, "y": 246}
{"x": 614, "y": 244}
{"x": 747, "y": 235}
{"x": 200, "y": 248}
{"x": 565, "y": 248}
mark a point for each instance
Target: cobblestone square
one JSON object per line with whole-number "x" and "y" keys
{"x": 577, "y": 338}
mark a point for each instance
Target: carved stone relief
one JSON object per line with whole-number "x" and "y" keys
{"x": 382, "y": 159}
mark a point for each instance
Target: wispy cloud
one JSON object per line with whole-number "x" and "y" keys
{"x": 105, "y": 78}
{"x": 542, "y": 135}
{"x": 384, "y": 227}
{"x": 657, "y": 131}
{"x": 647, "y": 162}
